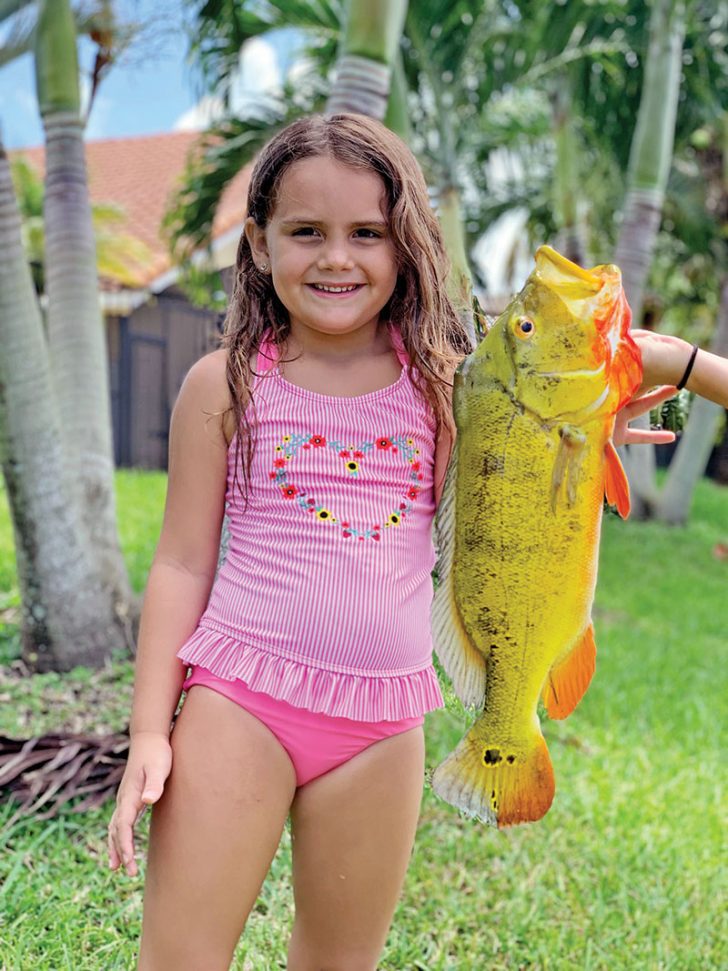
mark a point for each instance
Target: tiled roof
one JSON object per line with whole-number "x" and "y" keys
{"x": 137, "y": 175}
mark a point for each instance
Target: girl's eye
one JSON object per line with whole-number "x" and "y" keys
{"x": 304, "y": 231}
{"x": 368, "y": 233}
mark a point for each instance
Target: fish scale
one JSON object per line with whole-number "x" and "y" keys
{"x": 518, "y": 527}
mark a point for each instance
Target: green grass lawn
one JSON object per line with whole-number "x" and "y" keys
{"x": 627, "y": 870}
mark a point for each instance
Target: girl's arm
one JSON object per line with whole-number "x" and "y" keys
{"x": 664, "y": 359}
{"x": 184, "y": 564}
{"x": 177, "y": 591}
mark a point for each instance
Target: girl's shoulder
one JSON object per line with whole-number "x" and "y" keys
{"x": 205, "y": 387}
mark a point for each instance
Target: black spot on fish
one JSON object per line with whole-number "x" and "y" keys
{"x": 511, "y": 759}
{"x": 492, "y": 756}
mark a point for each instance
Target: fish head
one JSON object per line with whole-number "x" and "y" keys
{"x": 562, "y": 347}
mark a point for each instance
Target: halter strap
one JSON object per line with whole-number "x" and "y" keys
{"x": 268, "y": 355}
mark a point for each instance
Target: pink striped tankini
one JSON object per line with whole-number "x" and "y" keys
{"x": 323, "y": 599}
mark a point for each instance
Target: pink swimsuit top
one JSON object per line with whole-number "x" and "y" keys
{"x": 323, "y": 599}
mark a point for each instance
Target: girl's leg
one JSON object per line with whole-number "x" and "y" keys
{"x": 353, "y": 831}
{"x": 213, "y": 835}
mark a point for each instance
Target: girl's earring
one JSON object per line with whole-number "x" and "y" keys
{"x": 263, "y": 267}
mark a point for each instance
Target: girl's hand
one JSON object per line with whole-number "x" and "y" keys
{"x": 624, "y": 435}
{"x": 149, "y": 764}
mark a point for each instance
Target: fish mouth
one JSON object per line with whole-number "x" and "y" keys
{"x": 567, "y": 271}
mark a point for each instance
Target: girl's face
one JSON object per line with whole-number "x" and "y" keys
{"x": 328, "y": 246}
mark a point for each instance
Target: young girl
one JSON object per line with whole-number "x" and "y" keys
{"x": 323, "y": 428}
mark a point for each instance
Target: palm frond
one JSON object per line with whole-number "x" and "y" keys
{"x": 45, "y": 774}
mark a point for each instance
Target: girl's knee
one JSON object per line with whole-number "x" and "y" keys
{"x": 183, "y": 954}
{"x": 308, "y": 953}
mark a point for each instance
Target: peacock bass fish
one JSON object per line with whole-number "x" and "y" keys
{"x": 518, "y": 526}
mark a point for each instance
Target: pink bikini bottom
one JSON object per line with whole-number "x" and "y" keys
{"x": 316, "y": 743}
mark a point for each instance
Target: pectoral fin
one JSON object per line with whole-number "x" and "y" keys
{"x": 616, "y": 486}
{"x": 464, "y": 664}
{"x": 567, "y": 464}
{"x": 568, "y": 679}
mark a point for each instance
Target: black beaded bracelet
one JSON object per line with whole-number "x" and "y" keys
{"x": 684, "y": 379}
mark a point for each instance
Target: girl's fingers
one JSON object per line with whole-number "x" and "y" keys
{"x": 121, "y": 835}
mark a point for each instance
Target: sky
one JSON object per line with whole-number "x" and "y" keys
{"x": 151, "y": 90}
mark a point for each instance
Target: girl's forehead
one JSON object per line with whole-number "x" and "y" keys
{"x": 323, "y": 184}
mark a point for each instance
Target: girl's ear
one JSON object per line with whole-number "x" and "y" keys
{"x": 257, "y": 242}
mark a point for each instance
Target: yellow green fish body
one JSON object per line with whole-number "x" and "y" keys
{"x": 518, "y": 526}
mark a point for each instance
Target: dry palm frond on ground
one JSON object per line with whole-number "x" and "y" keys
{"x": 43, "y": 774}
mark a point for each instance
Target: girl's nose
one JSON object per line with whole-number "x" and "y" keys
{"x": 335, "y": 255}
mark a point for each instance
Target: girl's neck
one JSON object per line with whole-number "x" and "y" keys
{"x": 344, "y": 365}
{"x": 370, "y": 341}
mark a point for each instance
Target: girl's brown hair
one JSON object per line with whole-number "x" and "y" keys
{"x": 433, "y": 335}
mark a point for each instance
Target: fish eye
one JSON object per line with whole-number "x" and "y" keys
{"x": 525, "y": 328}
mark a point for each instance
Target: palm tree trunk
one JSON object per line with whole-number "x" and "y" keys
{"x": 566, "y": 175}
{"x": 67, "y": 618}
{"x": 459, "y": 281}
{"x": 76, "y": 331}
{"x": 364, "y": 67}
{"x": 649, "y": 167}
{"x": 696, "y": 444}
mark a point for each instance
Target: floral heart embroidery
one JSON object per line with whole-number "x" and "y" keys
{"x": 353, "y": 457}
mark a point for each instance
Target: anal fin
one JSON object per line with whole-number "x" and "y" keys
{"x": 463, "y": 662}
{"x": 616, "y": 486}
{"x": 568, "y": 680}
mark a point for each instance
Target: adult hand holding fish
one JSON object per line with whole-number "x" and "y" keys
{"x": 518, "y": 526}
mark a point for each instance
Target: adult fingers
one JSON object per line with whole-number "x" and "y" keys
{"x": 639, "y": 405}
{"x": 647, "y": 436}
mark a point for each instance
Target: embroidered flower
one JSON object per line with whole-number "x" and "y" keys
{"x": 289, "y": 491}
{"x": 317, "y": 440}
{"x": 394, "y": 520}
{"x": 358, "y": 454}
{"x": 325, "y": 514}
{"x": 343, "y": 454}
{"x": 352, "y": 467}
{"x": 279, "y": 463}
{"x": 416, "y": 466}
{"x": 413, "y": 492}
{"x": 384, "y": 443}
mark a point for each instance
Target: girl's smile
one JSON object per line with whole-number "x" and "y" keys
{"x": 332, "y": 258}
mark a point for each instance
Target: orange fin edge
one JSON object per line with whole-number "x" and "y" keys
{"x": 568, "y": 680}
{"x": 616, "y": 485}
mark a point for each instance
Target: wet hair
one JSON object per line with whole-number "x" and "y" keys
{"x": 432, "y": 333}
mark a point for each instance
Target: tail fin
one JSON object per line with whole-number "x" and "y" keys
{"x": 501, "y": 785}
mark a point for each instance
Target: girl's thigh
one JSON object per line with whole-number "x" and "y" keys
{"x": 213, "y": 834}
{"x": 353, "y": 831}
